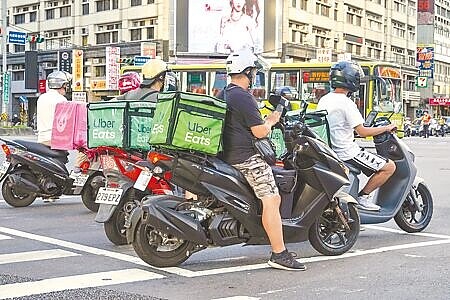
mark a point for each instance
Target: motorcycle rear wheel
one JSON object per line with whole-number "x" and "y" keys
{"x": 16, "y": 198}
{"x": 114, "y": 227}
{"x": 158, "y": 253}
{"x": 89, "y": 193}
{"x": 406, "y": 216}
{"x": 329, "y": 236}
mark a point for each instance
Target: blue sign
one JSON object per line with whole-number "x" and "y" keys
{"x": 17, "y": 37}
{"x": 141, "y": 60}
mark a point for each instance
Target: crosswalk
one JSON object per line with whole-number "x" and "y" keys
{"x": 60, "y": 283}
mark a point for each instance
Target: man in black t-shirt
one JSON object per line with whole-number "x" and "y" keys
{"x": 243, "y": 123}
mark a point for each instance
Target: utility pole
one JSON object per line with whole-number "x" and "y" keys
{"x": 4, "y": 41}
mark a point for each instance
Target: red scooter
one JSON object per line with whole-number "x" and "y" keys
{"x": 127, "y": 181}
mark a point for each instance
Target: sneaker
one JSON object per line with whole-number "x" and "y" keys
{"x": 365, "y": 202}
{"x": 285, "y": 261}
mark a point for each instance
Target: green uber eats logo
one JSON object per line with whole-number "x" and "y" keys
{"x": 193, "y": 137}
{"x": 101, "y": 129}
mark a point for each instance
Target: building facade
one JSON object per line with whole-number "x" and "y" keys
{"x": 291, "y": 30}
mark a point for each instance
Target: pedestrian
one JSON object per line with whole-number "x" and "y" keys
{"x": 15, "y": 120}
{"x": 242, "y": 125}
{"x": 344, "y": 118}
{"x": 426, "y": 120}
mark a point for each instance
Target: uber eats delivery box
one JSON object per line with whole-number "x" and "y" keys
{"x": 124, "y": 124}
{"x": 188, "y": 121}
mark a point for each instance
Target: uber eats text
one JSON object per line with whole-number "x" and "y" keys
{"x": 103, "y": 129}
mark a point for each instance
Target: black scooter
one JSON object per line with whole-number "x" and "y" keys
{"x": 34, "y": 170}
{"x": 405, "y": 196}
{"x": 166, "y": 230}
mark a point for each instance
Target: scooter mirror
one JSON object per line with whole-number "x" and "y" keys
{"x": 370, "y": 118}
{"x": 274, "y": 100}
{"x": 397, "y": 107}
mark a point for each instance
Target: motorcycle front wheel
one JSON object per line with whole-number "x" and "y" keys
{"x": 160, "y": 250}
{"x": 329, "y": 236}
{"x": 411, "y": 218}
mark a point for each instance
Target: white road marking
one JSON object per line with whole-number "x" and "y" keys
{"x": 237, "y": 298}
{"x": 424, "y": 234}
{"x": 190, "y": 274}
{"x": 34, "y": 255}
{"x": 5, "y": 237}
{"x": 75, "y": 282}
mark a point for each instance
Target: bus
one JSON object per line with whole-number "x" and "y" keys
{"x": 380, "y": 89}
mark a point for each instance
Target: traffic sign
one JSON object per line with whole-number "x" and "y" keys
{"x": 17, "y": 37}
{"x": 141, "y": 60}
{"x": 6, "y": 87}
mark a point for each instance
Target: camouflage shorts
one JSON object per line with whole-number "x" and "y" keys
{"x": 259, "y": 175}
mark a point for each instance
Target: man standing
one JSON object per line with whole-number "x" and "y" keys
{"x": 344, "y": 118}
{"x": 244, "y": 123}
{"x": 426, "y": 119}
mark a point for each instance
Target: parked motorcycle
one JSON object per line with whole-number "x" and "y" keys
{"x": 34, "y": 170}
{"x": 405, "y": 196}
{"x": 165, "y": 230}
{"x": 127, "y": 181}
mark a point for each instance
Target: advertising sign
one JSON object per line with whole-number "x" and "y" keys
{"x": 141, "y": 60}
{"x": 112, "y": 68}
{"x": 42, "y": 86}
{"x": 6, "y": 81}
{"x": 77, "y": 71}
{"x": 98, "y": 84}
{"x": 224, "y": 26}
{"x": 439, "y": 101}
{"x": 148, "y": 49}
{"x": 65, "y": 61}
{"x": 425, "y": 12}
{"x": 324, "y": 55}
{"x": 79, "y": 96}
{"x": 425, "y": 60}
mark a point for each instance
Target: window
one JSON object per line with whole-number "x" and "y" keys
{"x": 33, "y": 16}
{"x": 150, "y": 1}
{"x": 354, "y": 15}
{"x": 299, "y": 31}
{"x": 294, "y": 3}
{"x": 50, "y": 14}
{"x": 412, "y": 9}
{"x": 303, "y": 4}
{"x": 373, "y": 49}
{"x": 323, "y": 8}
{"x": 100, "y": 71}
{"x": 103, "y": 5}
{"x": 64, "y": 11}
{"x": 108, "y": 33}
{"x": 19, "y": 19}
{"x": 19, "y": 48}
{"x": 136, "y": 2}
{"x": 400, "y": 6}
{"x": 85, "y": 8}
{"x": 136, "y": 34}
{"x": 411, "y": 33}
{"x": 374, "y": 21}
{"x": 398, "y": 29}
{"x": 321, "y": 37}
{"x": 398, "y": 54}
{"x": 18, "y": 76}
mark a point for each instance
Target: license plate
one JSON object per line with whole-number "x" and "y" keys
{"x": 79, "y": 179}
{"x": 108, "y": 196}
{"x": 4, "y": 168}
{"x": 143, "y": 180}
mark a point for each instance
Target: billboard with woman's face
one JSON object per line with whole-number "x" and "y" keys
{"x": 224, "y": 26}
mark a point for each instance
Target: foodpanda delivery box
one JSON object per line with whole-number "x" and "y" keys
{"x": 188, "y": 121}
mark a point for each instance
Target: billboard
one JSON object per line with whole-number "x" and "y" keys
{"x": 77, "y": 70}
{"x": 425, "y": 60}
{"x": 425, "y": 12}
{"x": 224, "y": 26}
{"x": 112, "y": 68}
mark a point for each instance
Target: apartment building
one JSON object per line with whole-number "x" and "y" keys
{"x": 291, "y": 30}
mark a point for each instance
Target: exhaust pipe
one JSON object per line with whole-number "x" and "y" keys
{"x": 22, "y": 184}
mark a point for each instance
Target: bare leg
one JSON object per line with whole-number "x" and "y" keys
{"x": 379, "y": 178}
{"x": 271, "y": 220}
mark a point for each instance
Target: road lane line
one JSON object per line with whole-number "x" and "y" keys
{"x": 34, "y": 255}
{"x": 237, "y": 298}
{"x": 75, "y": 282}
{"x": 191, "y": 274}
{"x": 424, "y": 234}
{"x": 5, "y": 237}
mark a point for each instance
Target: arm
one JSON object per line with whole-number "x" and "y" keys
{"x": 371, "y": 131}
{"x": 263, "y": 130}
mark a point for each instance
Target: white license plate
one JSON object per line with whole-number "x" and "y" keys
{"x": 143, "y": 180}
{"x": 79, "y": 179}
{"x": 108, "y": 196}
{"x": 4, "y": 168}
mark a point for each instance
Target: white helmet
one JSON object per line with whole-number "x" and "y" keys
{"x": 57, "y": 79}
{"x": 152, "y": 70}
{"x": 239, "y": 61}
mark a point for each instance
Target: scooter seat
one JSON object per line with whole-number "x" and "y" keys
{"x": 352, "y": 168}
{"x": 223, "y": 167}
{"x": 44, "y": 150}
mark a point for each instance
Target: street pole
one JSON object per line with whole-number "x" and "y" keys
{"x": 4, "y": 41}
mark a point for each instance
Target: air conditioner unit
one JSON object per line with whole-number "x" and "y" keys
{"x": 96, "y": 60}
{"x": 48, "y": 34}
{"x": 48, "y": 65}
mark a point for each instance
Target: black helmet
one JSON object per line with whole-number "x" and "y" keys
{"x": 347, "y": 75}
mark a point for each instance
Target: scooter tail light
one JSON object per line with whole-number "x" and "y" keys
{"x": 167, "y": 176}
{"x": 6, "y": 149}
{"x": 154, "y": 157}
{"x": 85, "y": 166}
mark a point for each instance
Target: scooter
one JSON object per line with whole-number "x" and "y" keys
{"x": 165, "y": 230}
{"x": 405, "y": 196}
{"x": 127, "y": 181}
{"x": 34, "y": 170}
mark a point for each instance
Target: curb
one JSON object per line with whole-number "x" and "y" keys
{"x": 16, "y": 131}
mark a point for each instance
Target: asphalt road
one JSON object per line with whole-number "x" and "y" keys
{"x": 57, "y": 251}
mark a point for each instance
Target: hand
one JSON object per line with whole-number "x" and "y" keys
{"x": 391, "y": 128}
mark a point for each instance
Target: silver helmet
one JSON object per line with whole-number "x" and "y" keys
{"x": 57, "y": 79}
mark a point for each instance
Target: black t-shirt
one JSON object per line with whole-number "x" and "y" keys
{"x": 242, "y": 113}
